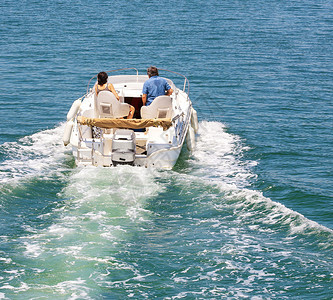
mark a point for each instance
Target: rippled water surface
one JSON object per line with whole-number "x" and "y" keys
{"x": 248, "y": 214}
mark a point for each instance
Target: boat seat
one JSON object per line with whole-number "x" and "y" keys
{"x": 161, "y": 107}
{"x": 107, "y": 106}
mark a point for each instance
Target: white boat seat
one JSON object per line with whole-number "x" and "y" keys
{"x": 161, "y": 107}
{"x": 109, "y": 107}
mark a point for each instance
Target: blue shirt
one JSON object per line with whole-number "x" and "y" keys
{"x": 155, "y": 86}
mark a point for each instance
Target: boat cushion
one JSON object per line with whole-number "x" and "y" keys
{"x": 161, "y": 107}
{"x": 107, "y": 106}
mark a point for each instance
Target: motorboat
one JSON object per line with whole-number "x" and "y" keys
{"x": 100, "y": 134}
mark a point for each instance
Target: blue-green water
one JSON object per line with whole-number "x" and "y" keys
{"x": 247, "y": 215}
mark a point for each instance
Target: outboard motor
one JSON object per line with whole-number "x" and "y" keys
{"x": 123, "y": 147}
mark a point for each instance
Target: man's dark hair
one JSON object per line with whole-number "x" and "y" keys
{"x": 152, "y": 71}
{"x": 102, "y": 78}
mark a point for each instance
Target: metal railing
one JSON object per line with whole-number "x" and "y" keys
{"x": 186, "y": 82}
{"x": 116, "y": 70}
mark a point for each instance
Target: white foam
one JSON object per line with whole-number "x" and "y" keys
{"x": 59, "y": 230}
{"x": 218, "y": 155}
{"x": 218, "y": 160}
{"x": 40, "y": 154}
{"x": 76, "y": 287}
{"x": 6, "y": 260}
{"x": 100, "y": 204}
{"x": 125, "y": 188}
{"x": 33, "y": 249}
{"x": 22, "y": 288}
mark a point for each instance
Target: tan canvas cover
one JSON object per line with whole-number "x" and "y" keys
{"x": 124, "y": 123}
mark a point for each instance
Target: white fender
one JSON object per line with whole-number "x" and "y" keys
{"x": 194, "y": 120}
{"x": 190, "y": 138}
{"x": 67, "y": 132}
{"x": 74, "y": 109}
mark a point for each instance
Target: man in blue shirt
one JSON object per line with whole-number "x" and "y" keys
{"x": 155, "y": 86}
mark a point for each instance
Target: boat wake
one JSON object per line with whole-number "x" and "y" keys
{"x": 39, "y": 155}
{"x": 219, "y": 161}
{"x": 92, "y": 238}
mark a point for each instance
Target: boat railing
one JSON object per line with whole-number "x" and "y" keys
{"x": 111, "y": 71}
{"x": 186, "y": 81}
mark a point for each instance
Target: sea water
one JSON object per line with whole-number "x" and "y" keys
{"x": 247, "y": 214}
